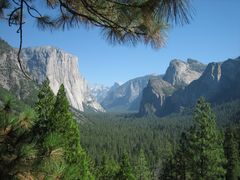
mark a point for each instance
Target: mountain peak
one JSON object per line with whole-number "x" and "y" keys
{"x": 125, "y": 97}
{"x": 181, "y": 73}
{"x": 116, "y": 84}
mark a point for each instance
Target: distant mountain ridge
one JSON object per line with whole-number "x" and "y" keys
{"x": 99, "y": 91}
{"x": 125, "y": 97}
{"x": 128, "y": 96}
{"x": 219, "y": 83}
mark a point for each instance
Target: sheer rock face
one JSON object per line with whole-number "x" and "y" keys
{"x": 154, "y": 96}
{"x": 60, "y": 68}
{"x": 180, "y": 73}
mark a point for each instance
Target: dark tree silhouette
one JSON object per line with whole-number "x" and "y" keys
{"x": 121, "y": 21}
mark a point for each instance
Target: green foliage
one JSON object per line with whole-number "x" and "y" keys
{"x": 16, "y": 104}
{"x": 125, "y": 171}
{"x": 53, "y": 164}
{"x": 200, "y": 153}
{"x": 62, "y": 122}
{"x": 121, "y": 21}
{"x": 177, "y": 164}
{"x": 42, "y": 145}
{"x": 110, "y": 134}
{"x": 44, "y": 107}
{"x": 54, "y": 152}
{"x": 107, "y": 169}
{"x": 232, "y": 154}
{"x": 20, "y": 156}
{"x": 205, "y": 152}
{"x": 142, "y": 171}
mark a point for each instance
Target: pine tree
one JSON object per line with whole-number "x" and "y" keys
{"x": 62, "y": 122}
{"x": 181, "y": 159}
{"x": 108, "y": 169}
{"x": 142, "y": 171}
{"x": 15, "y": 146}
{"x": 44, "y": 108}
{"x": 121, "y": 21}
{"x": 125, "y": 172}
{"x": 168, "y": 169}
{"x": 205, "y": 152}
{"x": 232, "y": 155}
{"x": 20, "y": 157}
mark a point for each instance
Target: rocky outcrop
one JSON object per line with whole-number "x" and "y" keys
{"x": 154, "y": 96}
{"x": 60, "y": 68}
{"x": 126, "y": 97}
{"x": 180, "y": 73}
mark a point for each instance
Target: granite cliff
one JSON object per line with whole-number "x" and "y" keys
{"x": 52, "y": 63}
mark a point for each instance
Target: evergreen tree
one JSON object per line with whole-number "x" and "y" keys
{"x": 168, "y": 169}
{"x": 125, "y": 172}
{"x": 232, "y": 155}
{"x": 181, "y": 159}
{"x": 44, "y": 108}
{"x": 62, "y": 122}
{"x": 205, "y": 147}
{"x": 19, "y": 154}
{"x": 121, "y": 21}
{"x": 15, "y": 146}
{"x": 108, "y": 169}
{"x": 132, "y": 21}
{"x": 142, "y": 171}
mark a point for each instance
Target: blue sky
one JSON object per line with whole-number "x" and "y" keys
{"x": 213, "y": 35}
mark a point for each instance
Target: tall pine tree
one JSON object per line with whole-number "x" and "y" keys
{"x": 20, "y": 156}
{"x": 142, "y": 171}
{"x": 232, "y": 155}
{"x": 44, "y": 108}
{"x": 108, "y": 169}
{"x": 125, "y": 172}
{"x": 205, "y": 152}
{"x": 181, "y": 159}
{"x": 62, "y": 122}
